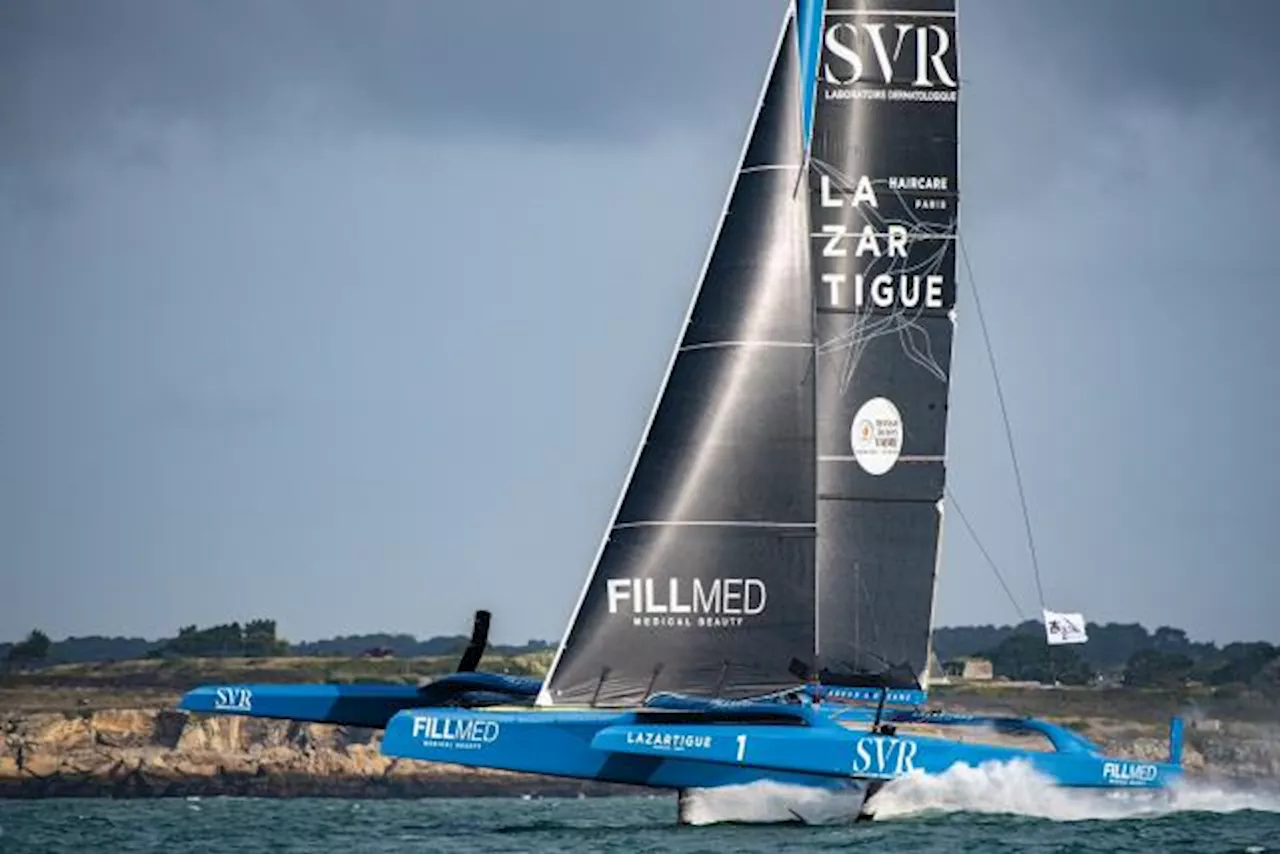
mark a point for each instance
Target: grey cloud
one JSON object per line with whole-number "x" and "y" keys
{"x": 1177, "y": 53}
{"x": 554, "y": 66}
{"x": 71, "y": 74}
{"x": 97, "y": 79}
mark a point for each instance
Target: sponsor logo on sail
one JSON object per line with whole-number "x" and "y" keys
{"x": 455, "y": 733}
{"x": 870, "y": 247}
{"x": 893, "y": 61}
{"x": 1129, "y": 773}
{"x": 233, "y": 700}
{"x": 687, "y": 603}
{"x": 876, "y": 436}
{"x": 884, "y": 756}
{"x": 670, "y": 741}
{"x": 928, "y": 192}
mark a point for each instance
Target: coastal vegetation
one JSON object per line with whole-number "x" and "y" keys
{"x": 1117, "y": 655}
{"x": 253, "y": 639}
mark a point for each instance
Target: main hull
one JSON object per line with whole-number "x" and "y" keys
{"x": 614, "y": 747}
{"x": 675, "y": 750}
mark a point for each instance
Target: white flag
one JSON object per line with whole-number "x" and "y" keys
{"x": 1064, "y": 628}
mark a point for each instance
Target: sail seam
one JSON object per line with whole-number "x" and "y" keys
{"x": 711, "y": 523}
{"x": 915, "y": 235}
{"x": 768, "y": 167}
{"x": 895, "y": 13}
{"x": 905, "y": 458}
{"x": 876, "y": 499}
{"x": 874, "y": 311}
{"x": 711, "y": 345}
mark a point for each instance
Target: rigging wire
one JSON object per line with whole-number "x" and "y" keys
{"x": 1004, "y": 414}
{"x": 973, "y": 534}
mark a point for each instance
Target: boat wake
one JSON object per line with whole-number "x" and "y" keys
{"x": 1013, "y": 789}
{"x": 1016, "y": 789}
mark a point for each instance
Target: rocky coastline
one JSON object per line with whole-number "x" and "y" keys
{"x": 126, "y": 753}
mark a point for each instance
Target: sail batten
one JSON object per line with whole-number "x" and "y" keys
{"x": 713, "y": 523}
{"x": 707, "y": 345}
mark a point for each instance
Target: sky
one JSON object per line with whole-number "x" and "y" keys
{"x": 351, "y": 315}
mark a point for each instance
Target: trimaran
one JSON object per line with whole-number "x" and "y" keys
{"x": 762, "y": 603}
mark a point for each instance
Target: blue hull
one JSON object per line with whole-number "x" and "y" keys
{"x": 587, "y": 745}
{"x": 680, "y": 743}
{"x": 369, "y": 706}
{"x": 640, "y": 747}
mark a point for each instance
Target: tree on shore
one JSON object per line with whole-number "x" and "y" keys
{"x": 1110, "y": 646}
{"x": 1150, "y": 668}
{"x": 255, "y": 639}
{"x": 1028, "y": 657}
{"x": 33, "y": 650}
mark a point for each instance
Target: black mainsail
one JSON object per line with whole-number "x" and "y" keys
{"x": 883, "y": 196}
{"x": 705, "y": 582}
{"x": 785, "y": 502}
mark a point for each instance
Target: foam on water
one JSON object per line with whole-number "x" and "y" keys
{"x": 766, "y": 802}
{"x": 1012, "y": 788}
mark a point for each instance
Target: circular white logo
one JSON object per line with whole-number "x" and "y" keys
{"x": 876, "y": 435}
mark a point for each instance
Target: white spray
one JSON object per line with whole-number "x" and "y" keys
{"x": 1012, "y": 788}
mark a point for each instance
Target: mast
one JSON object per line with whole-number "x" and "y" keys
{"x": 884, "y": 202}
{"x": 704, "y": 583}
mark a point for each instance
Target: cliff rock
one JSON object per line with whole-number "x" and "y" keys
{"x": 166, "y": 752}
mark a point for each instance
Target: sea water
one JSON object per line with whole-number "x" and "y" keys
{"x": 1002, "y": 808}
